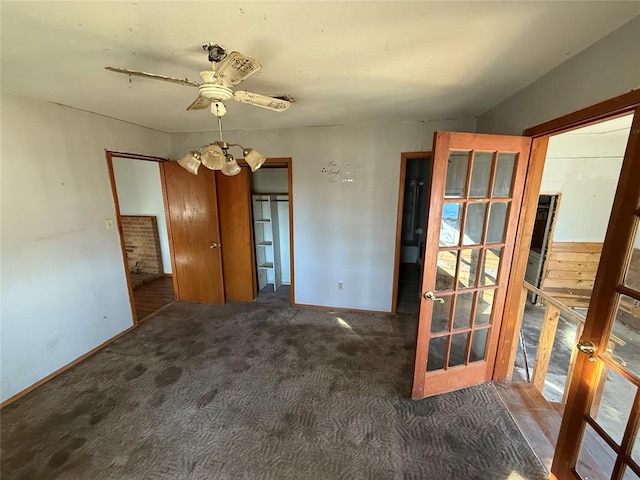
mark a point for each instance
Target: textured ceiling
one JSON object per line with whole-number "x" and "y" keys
{"x": 344, "y": 62}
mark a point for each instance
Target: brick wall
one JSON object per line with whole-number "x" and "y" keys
{"x": 142, "y": 242}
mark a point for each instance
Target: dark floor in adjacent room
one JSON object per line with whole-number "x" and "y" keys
{"x": 281, "y": 296}
{"x": 259, "y": 392}
{"x": 409, "y": 277}
{"x": 152, "y": 296}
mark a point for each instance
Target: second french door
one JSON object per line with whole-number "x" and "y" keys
{"x": 476, "y": 190}
{"x": 599, "y": 433}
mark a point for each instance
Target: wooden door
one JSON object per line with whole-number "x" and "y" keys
{"x": 476, "y": 190}
{"x": 598, "y": 436}
{"x": 234, "y": 211}
{"x": 192, "y": 215}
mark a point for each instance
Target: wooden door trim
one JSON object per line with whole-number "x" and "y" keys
{"x": 613, "y": 107}
{"x": 511, "y": 323}
{"x": 286, "y": 162}
{"x": 615, "y": 257}
{"x": 123, "y": 250}
{"x": 552, "y": 231}
{"x": 136, "y": 156}
{"x": 165, "y": 199}
{"x": 606, "y": 110}
{"x": 396, "y": 258}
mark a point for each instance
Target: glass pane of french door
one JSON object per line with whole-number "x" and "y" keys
{"x": 475, "y": 200}
{"x": 472, "y": 230}
{"x": 609, "y": 447}
{"x": 602, "y": 415}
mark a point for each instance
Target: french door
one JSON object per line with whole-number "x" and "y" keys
{"x": 477, "y": 184}
{"x": 598, "y": 436}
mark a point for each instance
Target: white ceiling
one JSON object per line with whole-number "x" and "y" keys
{"x": 344, "y": 62}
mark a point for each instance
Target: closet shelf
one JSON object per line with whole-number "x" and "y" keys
{"x": 264, "y": 244}
{"x": 266, "y": 265}
{"x": 262, "y": 220}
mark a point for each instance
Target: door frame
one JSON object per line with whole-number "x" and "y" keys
{"x": 615, "y": 107}
{"x": 567, "y": 446}
{"x": 548, "y": 240}
{"x": 110, "y": 155}
{"x": 285, "y": 162}
{"x": 396, "y": 258}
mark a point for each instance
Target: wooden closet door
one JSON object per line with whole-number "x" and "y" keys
{"x": 236, "y": 233}
{"x": 192, "y": 214}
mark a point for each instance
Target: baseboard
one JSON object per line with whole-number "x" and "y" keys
{"x": 168, "y": 275}
{"x": 339, "y": 309}
{"x": 72, "y": 364}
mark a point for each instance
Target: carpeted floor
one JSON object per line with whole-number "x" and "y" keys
{"x": 258, "y": 392}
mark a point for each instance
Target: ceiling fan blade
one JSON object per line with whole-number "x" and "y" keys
{"x": 235, "y": 68}
{"x": 271, "y": 103}
{"x": 199, "y": 103}
{"x": 154, "y": 76}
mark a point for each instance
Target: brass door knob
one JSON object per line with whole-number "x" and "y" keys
{"x": 589, "y": 348}
{"x": 431, "y": 296}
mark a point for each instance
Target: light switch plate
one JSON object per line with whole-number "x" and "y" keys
{"x": 108, "y": 224}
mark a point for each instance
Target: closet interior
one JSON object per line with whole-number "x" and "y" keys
{"x": 270, "y": 208}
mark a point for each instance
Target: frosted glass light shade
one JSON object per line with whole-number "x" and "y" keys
{"x": 231, "y": 167}
{"x": 190, "y": 162}
{"x": 213, "y": 157}
{"x": 254, "y": 159}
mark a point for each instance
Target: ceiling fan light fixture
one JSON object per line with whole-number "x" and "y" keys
{"x": 190, "y": 162}
{"x": 213, "y": 157}
{"x": 253, "y": 158}
{"x": 231, "y": 167}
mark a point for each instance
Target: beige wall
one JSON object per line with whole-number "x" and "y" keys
{"x": 343, "y": 231}
{"x": 63, "y": 280}
{"x": 608, "y": 68}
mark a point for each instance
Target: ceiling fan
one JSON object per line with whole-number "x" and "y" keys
{"x": 227, "y": 70}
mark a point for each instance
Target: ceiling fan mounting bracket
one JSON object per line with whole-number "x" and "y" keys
{"x": 216, "y": 52}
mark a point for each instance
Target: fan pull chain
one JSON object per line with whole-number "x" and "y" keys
{"x": 219, "y": 123}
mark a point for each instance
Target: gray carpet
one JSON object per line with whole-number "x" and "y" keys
{"x": 244, "y": 392}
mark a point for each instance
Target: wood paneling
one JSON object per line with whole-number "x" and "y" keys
{"x": 236, "y": 235}
{"x": 571, "y": 271}
{"x": 193, "y": 214}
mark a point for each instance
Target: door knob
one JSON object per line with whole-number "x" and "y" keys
{"x": 589, "y": 348}
{"x": 214, "y": 245}
{"x": 431, "y": 296}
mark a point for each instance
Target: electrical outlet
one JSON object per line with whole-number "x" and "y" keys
{"x": 340, "y": 284}
{"x": 108, "y": 224}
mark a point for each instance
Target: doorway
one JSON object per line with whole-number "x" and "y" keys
{"x": 542, "y": 238}
{"x": 271, "y": 222}
{"x": 584, "y": 165}
{"x": 141, "y": 219}
{"x": 413, "y": 199}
